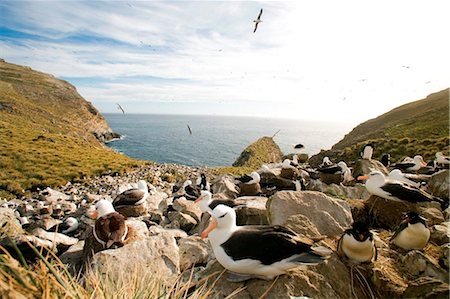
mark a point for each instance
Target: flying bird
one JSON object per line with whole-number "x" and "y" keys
{"x": 189, "y": 128}
{"x": 120, "y": 108}
{"x": 258, "y": 20}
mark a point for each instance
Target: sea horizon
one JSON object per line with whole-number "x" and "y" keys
{"x": 215, "y": 140}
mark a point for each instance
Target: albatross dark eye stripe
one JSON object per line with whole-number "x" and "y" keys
{"x": 223, "y": 215}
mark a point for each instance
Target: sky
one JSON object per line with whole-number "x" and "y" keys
{"x": 344, "y": 61}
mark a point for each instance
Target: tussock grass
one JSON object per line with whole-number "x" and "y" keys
{"x": 49, "y": 278}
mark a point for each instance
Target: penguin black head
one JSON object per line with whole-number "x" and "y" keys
{"x": 386, "y": 159}
{"x": 360, "y": 231}
{"x": 413, "y": 218}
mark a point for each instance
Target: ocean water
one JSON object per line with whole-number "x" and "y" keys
{"x": 215, "y": 140}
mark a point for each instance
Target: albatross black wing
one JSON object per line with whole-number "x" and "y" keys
{"x": 269, "y": 245}
{"x": 403, "y": 166}
{"x": 330, "y": 169}
{"x": 406, "y": 192}
{"x": 245, "y": 178}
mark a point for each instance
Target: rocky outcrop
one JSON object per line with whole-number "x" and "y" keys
{"x": 264, "y": 150}
{"x": 438, "y": 185}
{"x": 329, "y": 215}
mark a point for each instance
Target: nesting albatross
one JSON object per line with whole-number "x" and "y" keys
{"x": 258, "y": 251}
{"x": 133, "y": 196}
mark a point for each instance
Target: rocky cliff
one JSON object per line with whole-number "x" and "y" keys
{"x": 49, "y": 132}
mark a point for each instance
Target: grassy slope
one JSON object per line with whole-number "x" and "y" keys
{"x": 46, "y": 132}
{"x": 420, "y": 127}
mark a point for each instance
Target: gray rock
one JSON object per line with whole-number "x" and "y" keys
{"x": 388, "y": 214}
{"x": 253, "y": 210}
{"x": 224, "y": 184}
{"x": 157, "y": 255}
{"x": 363, "y": 167}
{"x": 188, "y": 207}
{"x": 358, "y": 191}
{"x": 426, "y": 287}
{"x": 443, "y": 255}
{"x": 154, "y": 200}
{"x": 440, "y": 233}
{"x": 9, "y": 224}
{"x": 194, "y": 251}
{"x": 302, "y": 226}
{"x": 25, "y": 209}
{"x": 53, "y": 196}
{"x": 418, "y": 264}
{"x": 330, "y": 216}
{"x": 438, "y": 185}
{"x": 55, "y": 238}
{"x": 175, "y": 233}
{"x": 182, "y": 221}
{"x": 73, "y": 257}
{"x": 47, "y": 222}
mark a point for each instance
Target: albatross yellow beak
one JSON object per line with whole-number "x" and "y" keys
{"x": 212, "y": 225}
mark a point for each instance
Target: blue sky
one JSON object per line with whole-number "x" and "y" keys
{"x": 344, "y": 61}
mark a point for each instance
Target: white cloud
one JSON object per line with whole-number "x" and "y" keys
{"x": 311, "y": 54}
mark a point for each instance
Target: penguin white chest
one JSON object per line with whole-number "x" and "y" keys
{"x": 415, "y": 236}
{"x": 358, "y": 251}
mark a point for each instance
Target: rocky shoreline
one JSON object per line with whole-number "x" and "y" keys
{"x": 164, "y": 233}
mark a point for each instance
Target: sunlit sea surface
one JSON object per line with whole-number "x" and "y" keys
{"x": 215, "y": 140}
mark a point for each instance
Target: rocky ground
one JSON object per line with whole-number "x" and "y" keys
{"x": 164, "y": 234}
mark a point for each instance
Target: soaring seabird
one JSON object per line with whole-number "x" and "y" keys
{"x": 253, "y": 178}
{"x": 133, "y": 196}
{"x": 207, "y": 204}
{"x": 258, "y": 251}
{"x": 377, "y": 184}
{"x": 441, "y": 159}
{"x": 110, "y": 228}
{"x": 120, "y": 108}
{"x": 367, "y": 151}
{"x": 189, "y": 129}
{"x": 386, "y": 159}
{"x": 258, "y": 20}
{"x": 298, "y": 146}
{"x": 357, "y": 243}
{"x": 396, "y": 174}
{"x": 412, "y": 233}
{"x": 411, "y": 166}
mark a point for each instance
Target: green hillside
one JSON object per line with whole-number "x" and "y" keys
{"x": 49, "y": 134}
{"x": 419, "y": 127}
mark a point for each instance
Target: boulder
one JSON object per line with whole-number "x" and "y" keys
{"x": 440, "y": 233}
{"x": 444, "y": 251}
{"x": 388, "y": 214}
{"x": 302, "y": 226}
{"x": 132, "y": 210}
{"x": 157, "y": 255}
{"x": 194, "y": 251}
{"x": 358, "y": 191}
{"x": 264, "y": 150}
{"x": 327, "y": 280}
{"x": 438, "y": 185}
{"x": 73, "y": 257}
{"x": 175, "y": 233}
{"x": 289, "y": 173}
{"x": 47, "y": 222}
{"x": 182, "y": 221}
{"x": 188, "y": 207}
{"x": 426, "y": 287}
{"x": 155, "y": 199}
{"x": 224, "y": 184}
{"x": 331, "y": 216}
{"x": 52, "y": 196}
{"x": 363, "y": 167}
{"x": 253, "y": 210}
{"x": 417, "y": 264}
{"x": 57, "y": 239}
